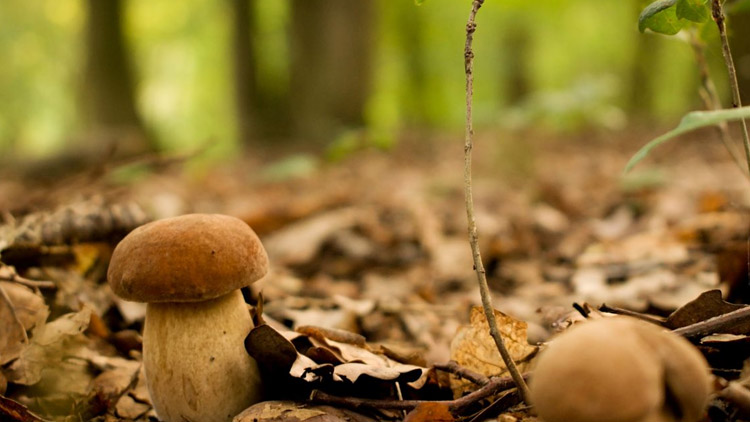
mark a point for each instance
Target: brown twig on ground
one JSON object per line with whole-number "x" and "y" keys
{"x": 638, "y": 315}
{"x": 711, "y": 100}
{"x": 494, "y": 386}
{"x": 715, "y": 324}
{"x": 472, "y": 224}
{"x": 454, "y": 368}
{"x": 717, "y": 12}
{"x": 8, "y": 273}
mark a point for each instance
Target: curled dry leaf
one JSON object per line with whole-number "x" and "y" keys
{"x": 287, "y": 411}
{"x": 49, "y": 343}
{"x": 336, "y": 361}
{"x": 474, "y": 348}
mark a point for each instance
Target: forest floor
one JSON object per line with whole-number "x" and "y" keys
{"x": 376, "y": 244}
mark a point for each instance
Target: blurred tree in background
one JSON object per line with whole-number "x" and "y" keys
{"x": 108, "y": 95}
{"x": 177, "y": 75}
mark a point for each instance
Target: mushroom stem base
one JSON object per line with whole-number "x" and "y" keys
{"x": 196, "y": 365}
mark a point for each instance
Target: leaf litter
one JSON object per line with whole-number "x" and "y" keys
{"x": 371, "y": 287}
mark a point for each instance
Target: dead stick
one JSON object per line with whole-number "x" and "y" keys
{"x": 717, "y": 13}
{"x": 454, "y": 368}
{"x": 484, "y": 289}
{"x": 628, "y": 312}
{"x": 494, "y": 386}
{"x": 715, "y": 324}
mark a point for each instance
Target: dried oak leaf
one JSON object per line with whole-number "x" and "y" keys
{"x": 287, "y": 411}
{"x": 708, "y": 305}
{"x": 474, "y": 348}
{"x": 49, "y": 343}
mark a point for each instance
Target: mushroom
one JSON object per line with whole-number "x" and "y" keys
{"x": 190, "y": 269}
{"x": 620, "y": 369}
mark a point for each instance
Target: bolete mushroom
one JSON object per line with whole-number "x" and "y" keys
{"x": 190, "y": 269}
{"x": 620, "y": 369}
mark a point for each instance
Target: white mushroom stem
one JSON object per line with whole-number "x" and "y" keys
{"x": 195, "y": 360}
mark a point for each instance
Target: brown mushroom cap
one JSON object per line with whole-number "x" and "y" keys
{"x": 188, "y": 258}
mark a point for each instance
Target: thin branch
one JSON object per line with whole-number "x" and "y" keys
{"x": 494, "y": 386}
{"x": 711, "y": 99}
{"x": 717, "y": 324}
{"x": 452, "y": 367}
{"x": 634, "y": 314}
{"x": 717, "y": 12}
{"x": 473, "y": 236}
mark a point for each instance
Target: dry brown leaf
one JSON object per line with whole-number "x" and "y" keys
{"x": 12, "y": 334}
{"x": 49, "y": 343}
{"x": 474, "y": 348}
{"x": 287, "y": 411}
{"x": 128, "y": 408}
{"x": 30, "y": 306}
{"x": 430, "y": 412}
{"x": 298, "y": 243}
{"x": 709, "y": 304}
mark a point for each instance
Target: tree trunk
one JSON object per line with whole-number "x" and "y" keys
{"x": 108, "y": 97}
{"x": 331, "y": 53}
{"x": 244, "y": 70}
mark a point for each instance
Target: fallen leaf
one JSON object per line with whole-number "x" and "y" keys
{"x": 287, "y": 411}
{"x": 709, "y": 304}
{"x": 298, "y": 243}
{"x": 30, "y": 306}
{"x": 128, "y": 408}
{"x": 430, "y": 412}
{"x": 474, "y": 348}
{"x": 49, "y": 343}
{"x": 13, "y": 337}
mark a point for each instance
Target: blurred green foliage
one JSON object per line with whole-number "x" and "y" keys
{"x": 578, "y": 60}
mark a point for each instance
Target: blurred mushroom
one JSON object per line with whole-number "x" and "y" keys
{"x": 620, "y": 370}
{"x": 190, "y": 269}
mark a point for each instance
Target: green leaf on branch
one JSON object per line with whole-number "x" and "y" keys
{"x": 693, "y": 10}
{"x": 660, "y": 16}
{"x": 691, "y": 121}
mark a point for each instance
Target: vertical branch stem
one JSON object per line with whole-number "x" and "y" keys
{"x": 717, "y": 12}
{"x": 473, "y": 236}
{"x": 711, "y": 100}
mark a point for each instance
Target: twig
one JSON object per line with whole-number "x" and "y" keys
{"x": 638, "y": 315}
{"x": 454, "y": 368}
{"x": 472, "y": 224}
{"x": 716, "y": 324}
{"x": 494, "y": 386}
{"x": 717, "y": 13}
{"x": 711, "y": 100}
{"x": 8, "y": 273}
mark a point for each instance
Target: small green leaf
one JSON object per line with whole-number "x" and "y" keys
{"x": 691, "y": 121}
{"x": 693, "y": 10}
{"x": 660, "y": 17}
